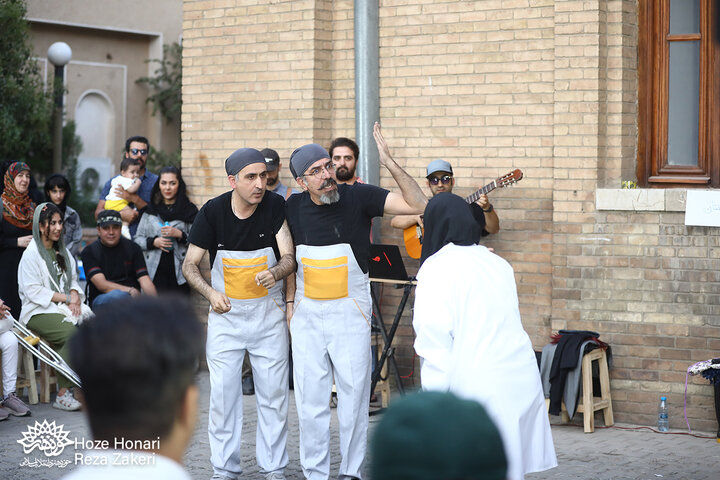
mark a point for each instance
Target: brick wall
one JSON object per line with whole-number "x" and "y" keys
{"x": 547, "y": 86}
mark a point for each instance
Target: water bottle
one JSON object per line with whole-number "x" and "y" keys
{"x": 663, "y": 422}
{"x": 167, "y": 224}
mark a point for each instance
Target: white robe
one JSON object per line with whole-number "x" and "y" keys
{"x": 472, "y": 343}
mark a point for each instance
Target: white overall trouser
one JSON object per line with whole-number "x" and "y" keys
{"x": 331, "y": 336}
{"x": 256, "y": 324}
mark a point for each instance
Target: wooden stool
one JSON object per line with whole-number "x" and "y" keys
{"x": 591, "y": 404}
{"x": 603, "y": 402}
{"x": 48, "y": 379}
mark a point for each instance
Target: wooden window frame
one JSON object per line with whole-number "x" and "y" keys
{"x": 653, "y": 79}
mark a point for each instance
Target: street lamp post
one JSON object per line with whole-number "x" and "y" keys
{"x": 59, "y": 55}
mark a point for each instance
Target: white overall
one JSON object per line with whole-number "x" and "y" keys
{"x": 256, "y": 324}
{"x": 331, "y": 335}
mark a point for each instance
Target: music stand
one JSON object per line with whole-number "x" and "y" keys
{"x": 386, "y": 266}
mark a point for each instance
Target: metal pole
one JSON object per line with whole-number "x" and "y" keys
{"x": 367, "y": 89}
{"x": 59, "y": 85}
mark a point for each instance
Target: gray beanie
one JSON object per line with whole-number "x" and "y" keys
{"x": 305, "y": 156}
{"x": 241, "y": 158}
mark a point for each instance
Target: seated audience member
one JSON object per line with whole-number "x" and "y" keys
{"x": 437, "y": 436}
{"x": 137, "y": 364}
{"x": 10, "y": 404}
{"x": 470, "y": 336}
{"x": 49, "y": 290}
{"x": 114, "y": 265}
{"x": 163, "y": 230}
{"x": 15, "y": 230}
{"x": 57, "y": 191}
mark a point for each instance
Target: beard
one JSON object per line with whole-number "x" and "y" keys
{"x": 344, "y": 174}
{"x": 332, "y": 196}
{"x": 272, "y": 181}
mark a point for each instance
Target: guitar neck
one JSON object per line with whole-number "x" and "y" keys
{"x": 482, "y": 191}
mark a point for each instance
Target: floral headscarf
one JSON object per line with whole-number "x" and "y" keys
{"x": 17, "y": 208}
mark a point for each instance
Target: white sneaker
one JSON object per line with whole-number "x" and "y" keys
{"x": 66, "y": 402}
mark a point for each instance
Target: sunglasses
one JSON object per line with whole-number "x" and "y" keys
{"x": 141, "y": 151}
{"x": 445, "y": 179}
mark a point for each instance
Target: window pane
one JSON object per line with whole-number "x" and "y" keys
{"x": 684, "y": 16}
{"x": 683, "y": 105}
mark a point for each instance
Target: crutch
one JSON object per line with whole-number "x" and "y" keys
{"x": 42, "y": 351}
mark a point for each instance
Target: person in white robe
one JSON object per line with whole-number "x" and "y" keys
{"x": 470, "y": 337}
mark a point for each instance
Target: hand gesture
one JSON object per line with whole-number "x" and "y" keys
{"x": 170, "y": 231}
{"x": 382, "y": 146}
{"x": 24, "y": 241}
{"x": 4, "y": 309}
{"x": 483, "y": 202}
{"x": 265, "y": 278}
{"x": 163, "y": 243}
{"x": 219, "y": 302}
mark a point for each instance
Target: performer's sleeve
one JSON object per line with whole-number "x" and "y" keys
{"x": 434, "y": 332}
{"x": 202, "y": 232}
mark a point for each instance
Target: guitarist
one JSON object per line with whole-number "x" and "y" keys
{"x": 440, "y": 179}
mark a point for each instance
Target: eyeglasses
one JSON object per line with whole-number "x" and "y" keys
{"x": 317, "y": 171}
{"x": 445, "y": 179}
{"x": 141, "y": 151}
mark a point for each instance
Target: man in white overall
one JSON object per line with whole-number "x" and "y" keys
{"x": 330, "y": 324}
{"x": 251, "y": 251}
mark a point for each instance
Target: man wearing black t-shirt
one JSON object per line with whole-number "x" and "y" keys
{"x": 114, "y": 265}
{"x": 251, "y": 252}
{"x": 330, "y": 325}
{"x": 440, "y": 179}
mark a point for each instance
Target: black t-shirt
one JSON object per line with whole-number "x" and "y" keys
{"x": 346, "y": 221}
{"x": 216, "y": 227}
{"x": 479, "y": 215}
{"x": 123, "y": 264}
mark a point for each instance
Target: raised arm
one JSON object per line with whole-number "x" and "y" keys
{"x": 219, "y": 302}
{"x": 412, "y": 200}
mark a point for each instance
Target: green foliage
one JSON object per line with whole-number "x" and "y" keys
{"x": 158, "y": 159}
{"x": 166, "y": 85}
{"x": 25, "y": 108}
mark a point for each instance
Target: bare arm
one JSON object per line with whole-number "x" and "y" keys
{"x": 219, "y": 302}
{"x": 412, "y": 200}
{"x": 286, "y": 265}
{"x": 147, "y": 286}
{"x": 133, "y": 188}
{"x": 492, "y": 222}
{"x": 100, "y": 207}
{"x": 404, "y": 221}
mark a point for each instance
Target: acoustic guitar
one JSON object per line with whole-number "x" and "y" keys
{"x": 413, "y": 234}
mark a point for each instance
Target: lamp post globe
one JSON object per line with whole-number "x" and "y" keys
{"x": 59, "y": 55}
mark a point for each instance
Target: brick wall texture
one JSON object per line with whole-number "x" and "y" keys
{"x": 547, "y": 86}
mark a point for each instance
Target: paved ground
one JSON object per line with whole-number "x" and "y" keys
{"x": 607, "y": 454}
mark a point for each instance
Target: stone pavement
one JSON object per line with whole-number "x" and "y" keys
{"x": 607, "y": 454}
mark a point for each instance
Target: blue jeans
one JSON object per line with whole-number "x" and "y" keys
{"x": 110, "y": 297}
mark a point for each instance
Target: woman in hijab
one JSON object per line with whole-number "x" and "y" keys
{"x": 15, "y": 230}
{"x": 51, "y": 296}
{"x": 470, "y": 336}
{"x": 57, "y": 191}
{"x": 163, "y": 229}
